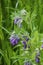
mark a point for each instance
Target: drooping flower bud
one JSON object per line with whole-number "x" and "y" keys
{"x": 24, "y": 43}
{"x": 14, "y": 39}
{"x": 37, "y": 59}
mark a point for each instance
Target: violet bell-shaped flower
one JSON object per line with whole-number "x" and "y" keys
{"x": 37, "y": 59}
{"x": 14, "y": 40}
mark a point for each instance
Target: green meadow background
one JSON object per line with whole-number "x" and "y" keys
{"x": 9, "y": 56}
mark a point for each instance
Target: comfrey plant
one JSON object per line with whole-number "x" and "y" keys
{"x": 27, "y": 45}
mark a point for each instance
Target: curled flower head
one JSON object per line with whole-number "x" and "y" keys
{"x": 38, "y": 54}
{"x": 14, "y": 39}
{"x": 18, "y": 21}
{"x": 37, "y": 59}
{"x": 27, "y": 63}
{"x": 23, "y": 12}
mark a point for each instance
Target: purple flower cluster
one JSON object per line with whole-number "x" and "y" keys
{"x": 14, "y": 40}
